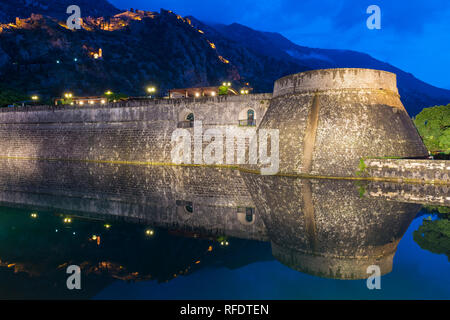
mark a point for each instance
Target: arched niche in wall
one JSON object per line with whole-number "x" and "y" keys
{"x": 247, "y": 117}
{"x": 246, "y": 215}
{"x": 185, "y": 209}
{"x": 186, "y": 119}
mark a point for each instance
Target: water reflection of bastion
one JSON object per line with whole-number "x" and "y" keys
{"x": 330, "y": 228}
{"x": 326, "y": 228}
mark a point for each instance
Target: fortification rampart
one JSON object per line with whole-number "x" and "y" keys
{"x": 336, "y": 79}
{"x": 138, "y": 130}
{"x": 333, "y": 118}
{"x": 327, "y": 120}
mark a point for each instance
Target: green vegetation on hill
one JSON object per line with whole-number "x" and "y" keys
{"x": 9, "y": 96}
{"x": 433, "y": 125}
{"x": 115, "y": 96}
{"x": 223, "y": 90}
{"x": 434, "y": 236}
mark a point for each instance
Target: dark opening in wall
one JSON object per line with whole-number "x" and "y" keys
{"x": 188, "y": 122}
{"x": 188, "y": 205}
{"x": 247, "y": 214}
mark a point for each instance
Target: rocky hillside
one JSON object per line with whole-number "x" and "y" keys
{"x": 137, "y": 49}
{"x": 40, "y": 55}
{"x": 10, "y": 9}
{"x": 415, "y": 93}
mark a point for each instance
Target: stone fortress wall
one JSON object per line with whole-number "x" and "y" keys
{"x": 138, "y": 130}
{"x": 335, "y": 117}
{"x": 328, "y": 120}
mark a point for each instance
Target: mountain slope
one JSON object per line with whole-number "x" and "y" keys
{"x": 40, "y": 55}
{"x": 10, "y": 9}
{"x": 142, "y": 49}
{"x": 415, "y": 93}
{"x": 139, "y": 48}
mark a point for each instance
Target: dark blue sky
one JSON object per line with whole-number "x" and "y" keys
{"x": 414, "y": 34}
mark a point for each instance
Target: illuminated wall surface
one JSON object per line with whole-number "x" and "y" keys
{"x": 328, "y": 120}
{"x": 77, "y": 187}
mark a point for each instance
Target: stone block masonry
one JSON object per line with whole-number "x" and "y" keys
{"x": 328, "y": 120}
{"x": 405, "y": 170}
{"x": 128, "y": 131}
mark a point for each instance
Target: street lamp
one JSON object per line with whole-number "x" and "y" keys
{"x": 151, "y": 91}
{"x": 108, "y": 93}
{"x": 34, "y": 98}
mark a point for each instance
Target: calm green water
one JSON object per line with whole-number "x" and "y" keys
{"x": 179, "y": 233}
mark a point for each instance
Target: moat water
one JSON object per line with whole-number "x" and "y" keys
{"x": 140, "y": 232}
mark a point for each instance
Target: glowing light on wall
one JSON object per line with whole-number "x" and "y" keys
{"x": 223, "y": 59}
{"x": 67, "y": 220}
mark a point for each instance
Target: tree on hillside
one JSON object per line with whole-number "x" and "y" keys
{"x": 223, "y": 90}
{"x": 9, "y": 96}
{"x": 434, "y": 236}
{"x": 115, "y": 96}
{"x": 433, "y": 125}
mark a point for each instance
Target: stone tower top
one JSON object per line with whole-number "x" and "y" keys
{"x": 335, "y": 79}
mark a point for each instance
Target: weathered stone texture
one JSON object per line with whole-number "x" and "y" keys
{"x": 328, "y": 120}
{"x": 127, "y": 131}
{"x": 359, "y": 115}
{"x": 326, "y": 227}
{"x": 335, "y": 79}
{"x": 403, "y": 169}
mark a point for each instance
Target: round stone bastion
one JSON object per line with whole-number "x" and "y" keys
{"x": 330, "y": 119}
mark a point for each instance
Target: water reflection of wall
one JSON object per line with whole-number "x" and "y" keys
{"x": 327, "y": 228}
{"x": 331, "y": 228}
{"x": 34, "y": 256}
{"x": 205, "y": 200}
